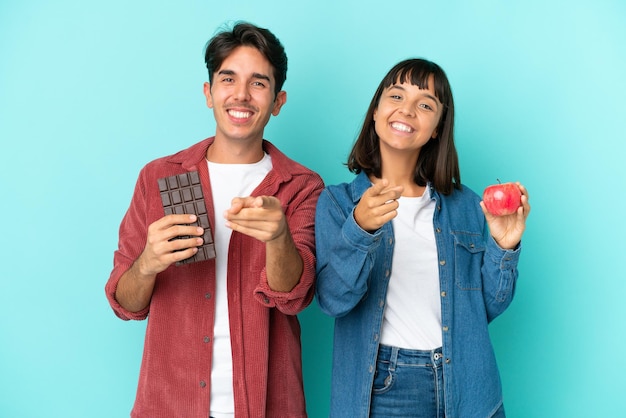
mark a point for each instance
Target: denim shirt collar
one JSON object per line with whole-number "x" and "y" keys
{"x": 362, "y": 182}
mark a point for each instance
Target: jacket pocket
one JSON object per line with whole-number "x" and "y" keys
{"x": 469, "y": 249}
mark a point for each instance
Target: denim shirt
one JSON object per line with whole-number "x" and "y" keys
{"x": 477, "y": 280}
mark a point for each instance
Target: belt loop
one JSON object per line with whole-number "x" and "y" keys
{"x": 393, "y": 359}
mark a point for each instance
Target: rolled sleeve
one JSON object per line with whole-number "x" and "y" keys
{"x": 294, "y": 301}
{"x": 345, "y": 253}
{"x": 132, "y": 237}
{"x": 111, "y": 288}
{"x": 500, "y": 272}
{"x": 302, "y": 194}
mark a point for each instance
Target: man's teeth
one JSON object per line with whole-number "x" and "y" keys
{"x": 239, "y": 115}
{"x": 401, "y": 127}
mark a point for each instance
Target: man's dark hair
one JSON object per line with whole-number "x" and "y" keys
{"x": 438, "y": 161}
{"x": 247, "y": 34}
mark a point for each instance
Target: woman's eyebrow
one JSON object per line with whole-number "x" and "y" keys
{"x": 427, "y": 95}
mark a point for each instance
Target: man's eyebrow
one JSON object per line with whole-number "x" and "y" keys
{"x": 261, "y": 76}
{"x": 254, "y": 75}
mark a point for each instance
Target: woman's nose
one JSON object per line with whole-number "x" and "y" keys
{"x": 407, "y": 109}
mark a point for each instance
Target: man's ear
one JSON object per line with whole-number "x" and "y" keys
{"x": 281, "y": 99}
{"x": 207, "y": 94}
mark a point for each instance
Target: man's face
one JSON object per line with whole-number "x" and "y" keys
{"x": 242, "y": 96}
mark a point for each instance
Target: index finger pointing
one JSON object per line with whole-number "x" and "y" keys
{"x": 378, "y": 187}
{"x": 267, "y": 202}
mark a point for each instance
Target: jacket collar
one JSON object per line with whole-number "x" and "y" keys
{"x": 362, "y": 182}
{"x": 359, "y": 185}
{"x": 190, "y": 158}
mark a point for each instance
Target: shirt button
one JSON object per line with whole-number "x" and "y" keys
{"x": 442, "y": 262}
{"x": 445, "y": 328}
{"x": 266, "y": 299}
{"x": 375, "y": 337}
{"x": 207, "y": 295}
{"x": 438, "y": 230}
{"x": 386, "y": 273}
{"x": 381, "y": 303}
{"x": 202, "y": 384}
{"x": 443, "y": 294}
{"x": 447, "y": 361}
{"x": 371, "y": 369}
{"x": 390, "y": 241}
{"x": 207, "y": 339}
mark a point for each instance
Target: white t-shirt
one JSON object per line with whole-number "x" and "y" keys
{"x": 412, "y": 317}
{"x": 227, "y": 182}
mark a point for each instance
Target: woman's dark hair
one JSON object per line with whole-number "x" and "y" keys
{"x": 438, "y": 161}
{"x": 247, "y": 34}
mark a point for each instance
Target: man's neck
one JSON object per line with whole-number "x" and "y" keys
{"x": 234, "y": 152}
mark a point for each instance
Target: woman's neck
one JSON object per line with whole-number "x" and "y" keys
{"x": 400, "y": 171}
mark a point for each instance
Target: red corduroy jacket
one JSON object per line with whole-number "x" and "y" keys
{"x": 174, "y": 380}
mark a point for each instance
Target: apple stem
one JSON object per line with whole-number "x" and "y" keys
{"x": 499, "y": 182}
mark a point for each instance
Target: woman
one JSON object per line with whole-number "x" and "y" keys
{"x": 411, "y": 264}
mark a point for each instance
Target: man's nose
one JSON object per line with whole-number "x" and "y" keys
{"x": 242, "y": 92}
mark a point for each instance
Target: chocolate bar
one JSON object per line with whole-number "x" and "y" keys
{"x": 182, "y": 194}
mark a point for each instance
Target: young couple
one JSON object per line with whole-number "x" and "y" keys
{"x": 407, "y": 259}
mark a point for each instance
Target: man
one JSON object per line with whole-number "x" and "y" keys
{"x": 223, "y": 339}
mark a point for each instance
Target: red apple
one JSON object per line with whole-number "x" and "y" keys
{"x": 502, "y": 199}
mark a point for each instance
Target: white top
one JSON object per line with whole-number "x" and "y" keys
{"x": 412, "y": 317}
{"x": 227, "y": 182}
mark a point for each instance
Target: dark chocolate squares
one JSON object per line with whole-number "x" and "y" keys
{"x": 182, "y": 194}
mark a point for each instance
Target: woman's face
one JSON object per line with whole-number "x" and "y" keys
{"x": 407, "y": 117}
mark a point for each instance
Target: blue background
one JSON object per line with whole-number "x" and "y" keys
{"x": 91, "y": 91}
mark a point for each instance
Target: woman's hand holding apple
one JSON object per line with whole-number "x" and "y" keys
{"x": 506, "y": 224}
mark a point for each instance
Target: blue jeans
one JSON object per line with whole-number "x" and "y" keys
{"x": 408, "y": 383}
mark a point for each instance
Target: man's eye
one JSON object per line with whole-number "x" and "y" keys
{"x": 258, "y": 84}
{"x": 395, "y": 97}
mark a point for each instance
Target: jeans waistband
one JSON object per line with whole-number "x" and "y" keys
{"x": 406, "y": 356}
